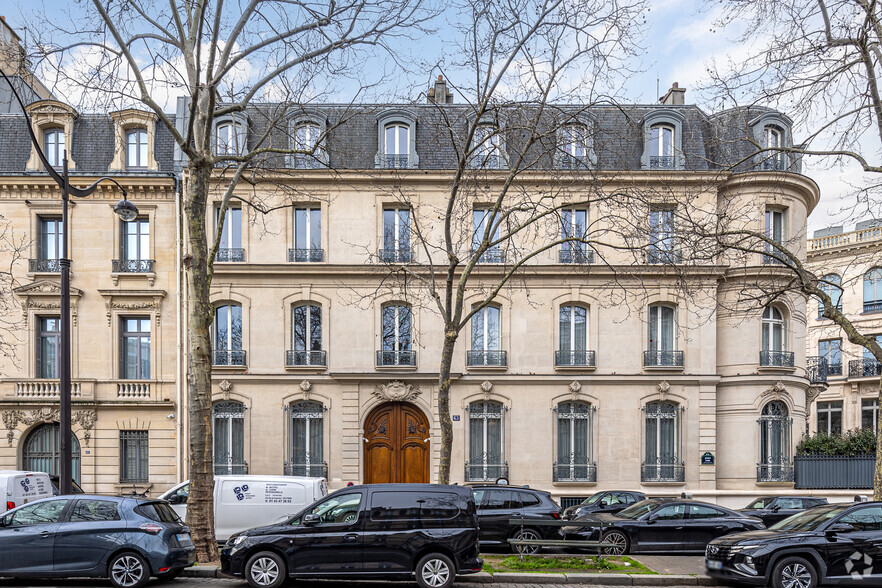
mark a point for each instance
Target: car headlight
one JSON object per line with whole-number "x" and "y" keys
{"x": 234, "y": 541}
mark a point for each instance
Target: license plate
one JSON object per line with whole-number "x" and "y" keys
{"x": 714, "y": 565}
{"x": 184, "y": 538}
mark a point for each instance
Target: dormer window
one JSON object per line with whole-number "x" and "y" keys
{"x": 661, "y": 147}
{"x": 53, "y": 123}
{"x": 396, "y": 146}
{"x": 231, "y": 138}
{"x": 135, "y": 133}
{"x": 136, "y": 149}
{"x": 773, "y": 139}
{"x": 663, "y": 140}
{"x": 53, "y": 145}
{"x": 770, "y": 133}
{"x": 489, "y": 149}
{"x": 574, "y": 144}
{"x": 306, "y": 137}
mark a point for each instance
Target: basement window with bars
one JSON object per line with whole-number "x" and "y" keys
{"x": 133, "y": 452}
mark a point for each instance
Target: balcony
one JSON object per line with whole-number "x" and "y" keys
{"x": 864, "y": 368}
{"x": 228, "y": 357}
{"x": 228, "y": 254}
{"x": 396, "y": 255}
{"x": 231, "y": 469}
{"x": 861, "y": 236}
{"x": 574, "y": 359}
{"x": 775, "y": 471}
{"x": 295, "y": 358}
{"x": 871, "y": 307}
{"x": 663, "y": 257}
{"x": 132, "y": 266}
{"x": 496, "y": 359}
{"x": 44, "y": 389}
{"x": 575, "y": 256}
{"x": 133, "y": 390}
{"x": 572, "y": 472}
{"x": 782, "y": 359}
{"x": 817, "y": 369}
{"x": 667, "y": 359}
{"x": 834, "y": 369}
{"x": 305, "y": 255}
{"x": 396, "y": 358}
{"x": 492, "y": 255}
{"x": 397, "y": 161}
{"x": 485, "y": 472}
{"x": 661, "y": 162}
{"x": 44, "y": 266}
{"x": 773, "y": 258}
{"x": 663, "y": 470}
{"x": 313, "y": 470}
{"x": 774, "y": 163}
{"x": 572, "y": 162}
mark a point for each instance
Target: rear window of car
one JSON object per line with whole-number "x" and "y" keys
{"x": 94, "y": 510}
{"x": 529, "y": 499}
{"x": 158, "y": 511}
{"x": 414, "y": 505}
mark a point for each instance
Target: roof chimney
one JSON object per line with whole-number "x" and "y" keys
{"x": 676, "y": 96}
{"x": 439, "y": 93}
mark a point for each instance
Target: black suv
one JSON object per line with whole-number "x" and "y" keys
{"x": 498, "y": 505}
{"x": 772, "y": 509}
{"x": 831, "y": 544}
{"x": 383, "y": 531}
{"x": 607, "y": 501}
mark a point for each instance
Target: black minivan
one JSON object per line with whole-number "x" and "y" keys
{"x": 383, "y": 531}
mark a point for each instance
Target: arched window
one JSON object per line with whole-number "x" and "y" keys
{"x": 136, "y": 149}
{"x": 574, "y": 147}
{"x": 306, "y": 336}
{"x": 231, "y": 138}
{"x": 661, "y": 147}
{"x": 487, "y": 338}
{"x": 873, "y": 290}
{"x": 397, "y": 336}
{"x": 41, "y": 451}
{"x": 774, "y": 444}
{"x": 53, "y": 145}
{"x": 575, "y": 450}
{"x": 397, "y": 139}
{"x": 306, "y": 443}
{"x": 662, "y": 460}
{"x": 573, "y": 337}
{"x": 774, "y": 339}
{"x": 227, "y": 335}
{"x": 489, "y": 150}
{"x": 229, "y": 438}
{"x": 310, "y": 154}
{"x": 832, "y": 286}
{"x": 662, "y": 342}
{"x": 486, "y": 459}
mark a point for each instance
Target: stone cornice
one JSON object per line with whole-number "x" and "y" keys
{"x": 41, "y": 187}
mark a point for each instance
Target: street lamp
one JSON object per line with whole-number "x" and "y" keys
{"x": 127, "y": 212}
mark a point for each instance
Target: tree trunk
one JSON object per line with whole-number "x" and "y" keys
{"x": 200, "y": 505}
{"x": 877, "y": 475}
{"x": 444, "y": 406}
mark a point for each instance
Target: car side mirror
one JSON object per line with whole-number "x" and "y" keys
{"x": 311, "y": 519}
{"x": 3, "y": 521}
{"x": 775, "y": 508}
{"x": 604, "y": 504}
{"x": 841, "y": 528}
{"x": 650, "y": 520}
{"x": 176, "y": 499}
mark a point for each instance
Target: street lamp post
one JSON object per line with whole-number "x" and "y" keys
{"x": 127, "y": 212}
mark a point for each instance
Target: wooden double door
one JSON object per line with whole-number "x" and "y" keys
{"x": 397, "y": 447}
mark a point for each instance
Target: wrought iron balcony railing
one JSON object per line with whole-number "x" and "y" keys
{"x": 313, "y": 470}
{"x": 396, "y": 255}
{"x": 487, "y": 358}
{"x": 305, "y": 358}
{"x": 397, "y": 161}
{"x": 306, "y": 162}
{"x": 132, "y": 266}
{"x": 228, "y": 254}
{"x": 834, "y": 369}
{"x": 661, "y": 162}
{"x": 864, "y": 368}
{"x": 776, "y": 358}
{"x": 44, "y": 265}
{"x": 485, "y": 472}
{"x": 492, "y": 255}
{"x": 663, "y": 470}
{"x": 393, "y": 358}
{"x": 773, "y": 257}
{"x": 662, "y": 358}
{"x": 774, "y": 163}
{"x": 817, "y": 369}
{"x": 656, "y": 256}
{"x": 574, "y": 358}
{"x": 873, "y": 306}
{"x": 574, "y": 472}
{"x": 572, "y": 162}
{"x": 575, "y": 256}
{"x": 231, "y": 357}
{"x": 230, "y": 469}
{"x": 775, "y": 471}
{"x": 306, "y": 255}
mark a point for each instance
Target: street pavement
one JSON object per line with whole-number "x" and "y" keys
{"x": 224, "y": 583}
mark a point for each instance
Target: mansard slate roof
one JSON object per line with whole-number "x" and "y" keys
{"x": 709, "y": 142}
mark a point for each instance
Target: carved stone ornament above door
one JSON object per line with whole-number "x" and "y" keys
{"x": 396, "y": 391}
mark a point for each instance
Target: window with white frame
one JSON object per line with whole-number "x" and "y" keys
{"x": 53, "y": 145}
{"x": 486, "y": 459}
{"x": 309, "y": 153}
{"x": 480, "y": 219}
{"x": 307, "y": 235}
{"x": 48, "y": 347}
{"x": 136, "y": 149}
{"x": 830, "y": 417}
{"x": 227, "y": 335}
{"x": 397, "y": 145}
{"x": 773, "y": 140}
{"x": 873, "y": 290}
{"x": 306, "y": 334}
{"x": 574, "y": 145}
{"x": 774, "y": 231}
{"x": 574, "y": 225}
{"x": 774, "y": 444}
{"x": 134, "y": 349}
{"x": 774, "y": 339}
{"x": 662, "y": 460}
{"x": 486, "y": 338}
{"x": 573, "y": 336}
{"x": 134, "y": 247}
{"x": 229, "y": 438}
{"x": 230, "y": 245}
{"x": 831, "y": 350}
{"x": 489, "y": 151}
{"x": 663, "y": 337}
{"x": 831, "y": 284}
{"x": 50, "y": 244}
{"x": 306, "y": 449}
{"x": 397, "y": 325}
{"x": 662, "y": 236}
{"x": 869, "y": 413}
{"x": 231, "y": 138}
{"x": 661, "y": 147}
{"x": 575, "y": 450}
{"x": 396, "y": 235}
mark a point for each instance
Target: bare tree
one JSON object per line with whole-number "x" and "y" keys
{"x": 12, "y": 249}
{"x": 221, "y": 57}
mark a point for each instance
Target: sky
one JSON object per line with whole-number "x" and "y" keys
{"x": 680, "y": 37}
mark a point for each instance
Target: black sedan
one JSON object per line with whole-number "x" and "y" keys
{"x": 772, "y": 509}
{"x": 609, "y": 501}
{"x": 124, "y": 539}
{"x": 661, "y": 525}
{"x": 830, "y": 544}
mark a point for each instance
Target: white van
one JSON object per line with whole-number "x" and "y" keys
{"x": 22, "y": 487}
{"x": 245, "y": 502}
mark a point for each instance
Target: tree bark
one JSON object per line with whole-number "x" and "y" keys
{"x": 444, "y": 405}
{"x": 877, "y": 474}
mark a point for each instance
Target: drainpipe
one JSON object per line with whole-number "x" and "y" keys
{"x": 179, "y": 394}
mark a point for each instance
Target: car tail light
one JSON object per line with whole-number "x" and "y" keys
{"x": 555, "y": 515}
{"x": 10, "y": 505}
{"x": 151, "y": 528}
{"x": 163, "y": 570}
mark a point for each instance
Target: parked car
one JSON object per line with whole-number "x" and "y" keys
{"x": 661, "y": 524}
{"x": 828, "y": 544}
{"x": 123, "y": 539}
{"x": 611, "y": 501}
{"x": 242, "y": 502}
{"x": 772, "y": 509}
{"x": 19, "y": 487}
{"x": 74, "y": 487}
{"x": 382, "y": 531}
{"x": 498, "y": 505}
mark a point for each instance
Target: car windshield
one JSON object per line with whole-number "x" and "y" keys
{"x": 592, "y": 499}
{"x": 638, "y": 510}
{"x": 809, "y": 520}
{"x": 761, "y": 502}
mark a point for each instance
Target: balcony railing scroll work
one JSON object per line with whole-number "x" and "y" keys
{"x": 574, "y": 472}
{"x": 487, "y": 358}
{"x": 864, "y": 368}
{"x": 228, "y": 357}
{"x": 663, "y": 469}
{"x": 661, "y": 162}
{"x": 396, "y": 255}
{"x": 230, "y": 254}
{"x": 783, "y": 359}
{"x": 44, "y": 266}
{"x": 574, "y": 358}
{"x": 313, "y": 470}
{"x": 576, "y": 256}
{"x": 485, "y": 472}
{"x": 295, "y": 358}
{"x": 305, "y": 255}
{"x": 775, "y": 470}
{"x": 396, "y": 358}
{"x": 655, "y": 358}
{"x": 816, "y": 369}
{"x": 132, "y": 266}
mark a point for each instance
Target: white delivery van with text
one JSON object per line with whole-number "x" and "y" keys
{"x": 17, "y": 488}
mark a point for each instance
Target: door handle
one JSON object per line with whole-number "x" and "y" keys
{"x": 44, "y": 533}
{"x": 516, "y": 515}
{"x": 350, "y": 538}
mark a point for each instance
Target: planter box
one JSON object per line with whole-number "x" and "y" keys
{"x": 829, "y": 472}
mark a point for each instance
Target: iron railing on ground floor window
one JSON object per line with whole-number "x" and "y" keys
{"x": 663, "y": 470}
{"x": 393, "y": 358}
{"x": 583, "y": 358}
{"x": 493, "y": 358}
{"x": 574, "y": 472}
{"x": 230, "y": 469}
{"x": 485, "y": 472}
{"x": 305, "y": 358}
{"x": 775, "y": 471}
{"x": 228, "y": 357}
{"x": 313, "y": 470}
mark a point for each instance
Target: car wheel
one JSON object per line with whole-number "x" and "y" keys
{"x": 265, "y": 570}
{"x": 618, "y": 543}
{"x": 527, "y": 535}
{"x": 435, "y": 571}
{"x": 128, "y": 570}
{"x": 166, "y": 576}
{"x": 794, "y": 572}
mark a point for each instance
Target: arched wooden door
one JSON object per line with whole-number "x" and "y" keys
{"x": 397, "y": 448}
